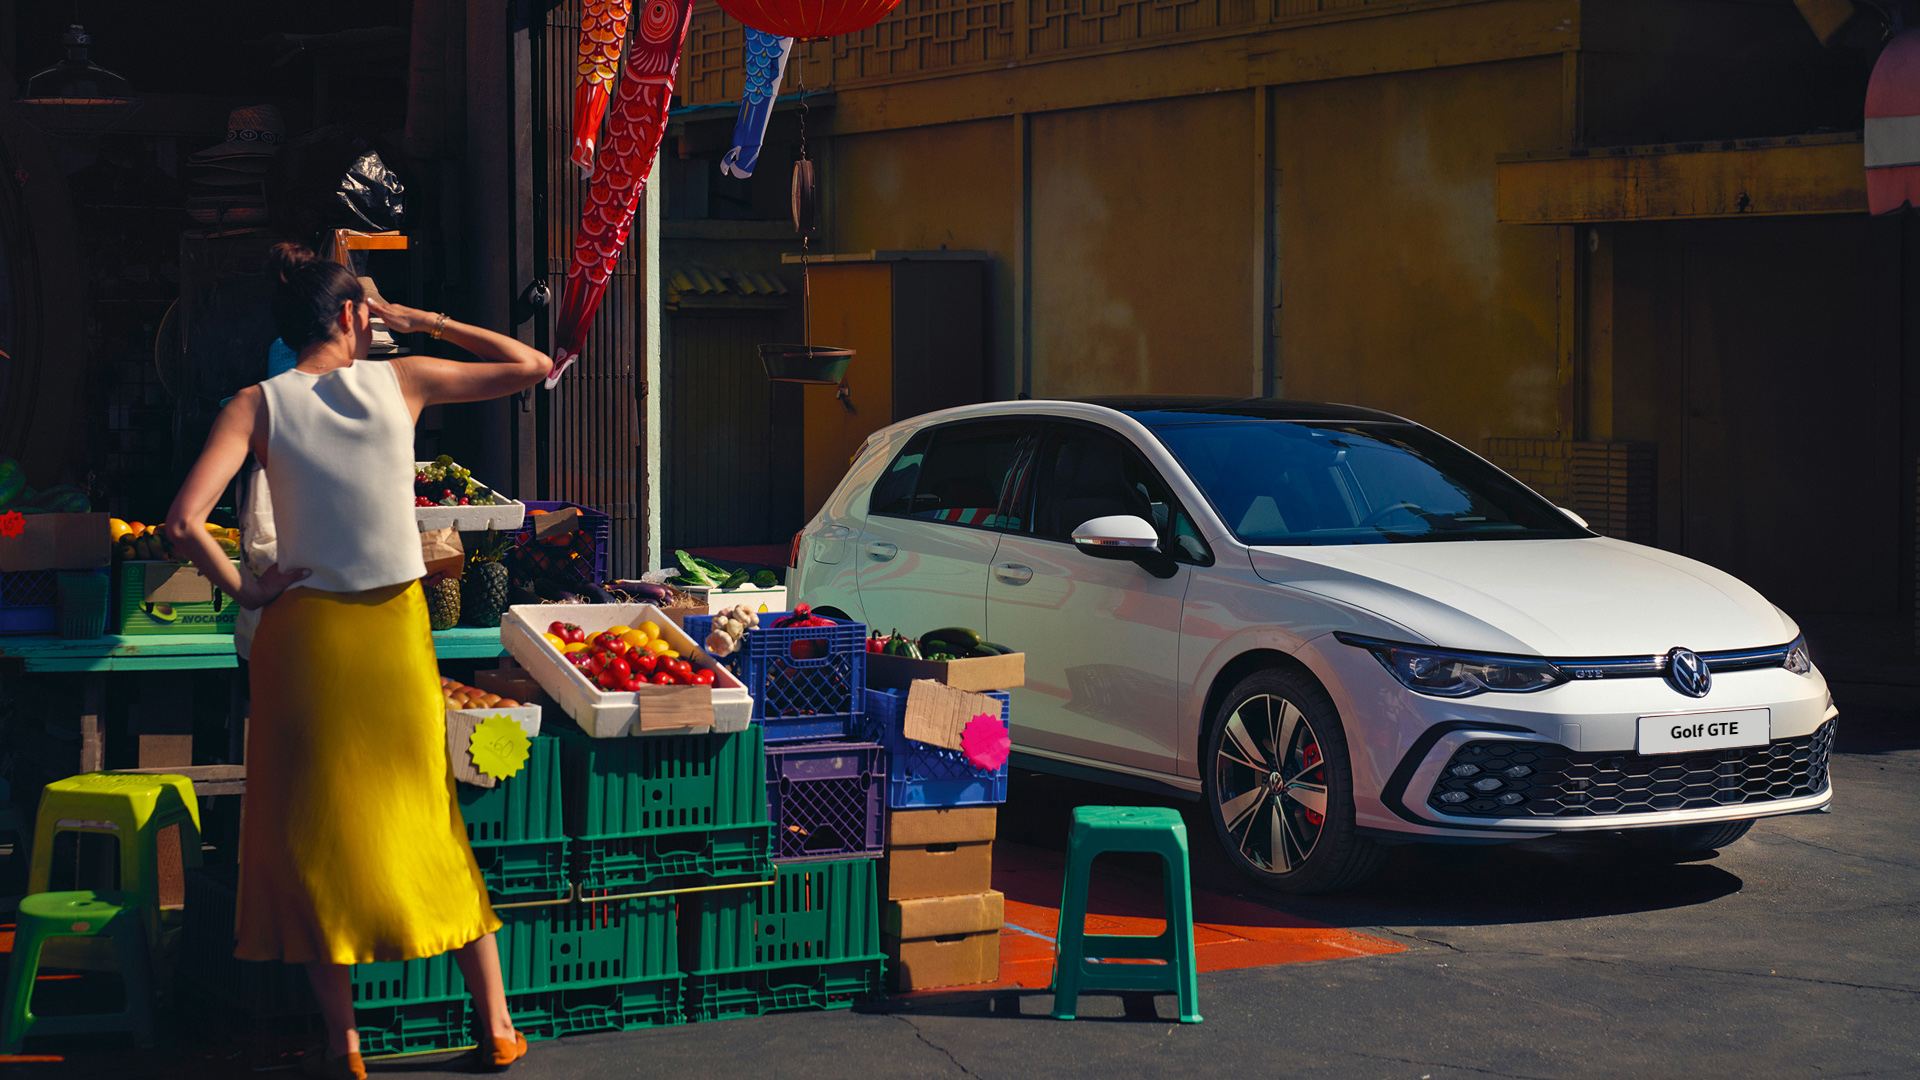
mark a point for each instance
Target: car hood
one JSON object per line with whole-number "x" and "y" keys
{"x": 1588, "y": 597}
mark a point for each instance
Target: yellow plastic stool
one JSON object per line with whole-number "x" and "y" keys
{"x": 154, "y": 818}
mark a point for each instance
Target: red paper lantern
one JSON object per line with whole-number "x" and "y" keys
{"x": 808, "y": 18}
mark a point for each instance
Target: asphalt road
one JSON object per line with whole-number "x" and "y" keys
{"x": 1795, "y": 952}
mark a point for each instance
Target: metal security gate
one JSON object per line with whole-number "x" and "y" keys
{"x": 589, "y": 434}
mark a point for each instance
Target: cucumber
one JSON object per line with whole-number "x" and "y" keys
{"x": 766, "y": 579}
{"x": 735, "y": 580}
{"x": 967, "y": 640}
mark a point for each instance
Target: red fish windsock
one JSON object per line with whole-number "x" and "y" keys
{"x": 603, "y": 27}
{"x": 634, "y": 130}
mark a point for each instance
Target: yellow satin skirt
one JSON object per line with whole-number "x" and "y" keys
{"x": 352, "y": 849}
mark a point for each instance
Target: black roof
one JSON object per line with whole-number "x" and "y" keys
{"x": 1188, "y": 410}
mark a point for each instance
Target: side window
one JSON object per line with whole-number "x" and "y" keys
{"x": 893, "y": 492}
{"x": 1084, "y": 474}
{"x": 961, "y": 474}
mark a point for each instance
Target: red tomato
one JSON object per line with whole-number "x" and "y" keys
{"x": 575, "y": 635}
{"x": 703, "y": 677}
{"x": 607, "y": 681}
{"x": 606, "y": 642}
{"x": 681, "y": 668}
{"x": 620, "y": 668}
{"x": 643, "y": 664}
{"x": 557, "y": 629}
{"x": 663, "y": 678}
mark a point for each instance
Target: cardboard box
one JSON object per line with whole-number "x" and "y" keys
{"x": 948, "y": 869}
{"x": 159, "y": 597}
{"x": 959, "y": 825}
{"x": 57, "y": 542}
{"x": 980, "y": 673}
{"x": 944, "y": 916}
{"x": 959, "y": 960}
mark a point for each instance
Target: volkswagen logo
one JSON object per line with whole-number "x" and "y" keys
{"x": 1687, "y": 673}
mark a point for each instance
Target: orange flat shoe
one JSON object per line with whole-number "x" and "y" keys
{"x": 346, "y": 1067}
{"x": 502, "y": 1055}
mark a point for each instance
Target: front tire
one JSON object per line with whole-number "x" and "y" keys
{"x": 1279, "y": 786}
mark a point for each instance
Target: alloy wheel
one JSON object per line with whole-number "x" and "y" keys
{"x": 1270, "y": 782}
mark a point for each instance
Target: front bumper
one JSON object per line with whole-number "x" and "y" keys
{"x": 1582, "y": 772}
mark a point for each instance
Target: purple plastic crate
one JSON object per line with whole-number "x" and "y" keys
{"x": 921, "y": 776}
{"x": 827, "y": 800}
{"x": 597, "y": 525}
{"x": 806, "y": 681}
{"x": 29, "y": 602}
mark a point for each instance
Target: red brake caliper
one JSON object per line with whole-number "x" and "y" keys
{"x": 1310, "y": 757}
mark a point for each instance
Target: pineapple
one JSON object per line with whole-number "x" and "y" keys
{"x": 443, "y": 604}
{"x": 483, "y": 599}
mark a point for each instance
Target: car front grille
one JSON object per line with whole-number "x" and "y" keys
{"x": 1526, "y": 779}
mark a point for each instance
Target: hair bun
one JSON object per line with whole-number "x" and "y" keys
{"x": 288, "y": 257}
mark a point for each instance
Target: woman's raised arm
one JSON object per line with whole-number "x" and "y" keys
{"x": 512, "y": 365}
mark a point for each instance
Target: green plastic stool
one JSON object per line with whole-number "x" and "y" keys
{"x": 1077, "y": 967}
{"x": 47, "y": 916}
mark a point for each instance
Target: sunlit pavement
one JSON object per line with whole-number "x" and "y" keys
{"x": 1797, "y": 951}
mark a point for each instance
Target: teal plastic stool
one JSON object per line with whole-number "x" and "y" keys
{"x": 1077, "y": 967}
{"x": 46, "y": 916}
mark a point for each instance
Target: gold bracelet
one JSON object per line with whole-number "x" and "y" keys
{"x": 439, "y": 325}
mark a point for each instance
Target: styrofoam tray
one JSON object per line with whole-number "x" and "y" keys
{"x": 527, "y": 716}
{"x": 505, "y": 515}
{"x": 773, "y": 598}
{"x": 606, "y": 715}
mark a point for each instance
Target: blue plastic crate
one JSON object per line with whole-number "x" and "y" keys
{"x": 920, "y": 776}
{"x": 806, "y": 681}
{"x": 29, "y": 602}
{"x": 827, "y": 800}
{"x": 593, "y": 522}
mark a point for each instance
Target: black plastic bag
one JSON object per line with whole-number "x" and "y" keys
{"x": 334, "y": 178}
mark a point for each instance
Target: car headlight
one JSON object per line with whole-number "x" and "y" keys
{"x": 1445, "y": 673}
{"x": 1798, "y": 660}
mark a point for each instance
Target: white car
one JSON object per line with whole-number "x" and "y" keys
{"x": 1333, "y": 625}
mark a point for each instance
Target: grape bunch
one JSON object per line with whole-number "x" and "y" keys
{"x": 442, "y": 482}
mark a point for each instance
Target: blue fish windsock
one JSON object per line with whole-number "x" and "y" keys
{"x": 766, "y": 62}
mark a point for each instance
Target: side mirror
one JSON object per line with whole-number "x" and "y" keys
{"x": 1577, "y": 519}
{"x": 1120, "y": 537}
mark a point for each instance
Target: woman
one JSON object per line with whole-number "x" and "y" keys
{"x": 352, "y": 847}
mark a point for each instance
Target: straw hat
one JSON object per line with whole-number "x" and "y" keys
{"x": 253, "y": 131}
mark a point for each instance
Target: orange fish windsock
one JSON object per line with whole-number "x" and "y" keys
{"x": 634, "y": 129}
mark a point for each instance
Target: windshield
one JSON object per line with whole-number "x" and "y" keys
{"x": 1278, "y": 482}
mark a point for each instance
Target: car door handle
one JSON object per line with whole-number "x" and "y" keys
{"x": 1013, "y": 573}
{"x": 836, "y": 532}
{"x": 881, "y": 551}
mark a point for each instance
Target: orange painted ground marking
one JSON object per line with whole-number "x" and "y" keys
{"x": 1229, "y": 933}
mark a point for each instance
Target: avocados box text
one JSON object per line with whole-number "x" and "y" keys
{"x": 170, "y": 598}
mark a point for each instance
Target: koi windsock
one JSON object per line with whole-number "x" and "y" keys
{"x": 765, "y": 62}
{"x": 603, "y": 26}
{"x": 634, "y": 129}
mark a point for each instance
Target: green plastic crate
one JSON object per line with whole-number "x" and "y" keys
{"x": 626, "y": 1007}
{"x": 655, "y": 784}
{"x": 577, "y": 946}
{"x": 661, "y": 862}
{"x": 530, "y": 873}
{"x": 524, "y": 807}
{"x": 134, "y": 615}
{"x": 415, "y": 1029}
{"x": 820, "y": 912}
{"x": 758, "y": 991}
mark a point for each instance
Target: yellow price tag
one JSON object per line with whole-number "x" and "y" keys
{"x": 499, "y": 746}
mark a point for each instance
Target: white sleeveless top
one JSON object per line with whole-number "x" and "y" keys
{"x": 340, "y": 465}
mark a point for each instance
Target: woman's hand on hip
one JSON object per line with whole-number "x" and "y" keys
{"x": 266, "y": 588}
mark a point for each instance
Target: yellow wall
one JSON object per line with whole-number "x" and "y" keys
{"x": 955, "y": 186}
{"x": 1144, "y": 273}
{"x": 1398, "y": 289}
{"x": 852, "y": 309}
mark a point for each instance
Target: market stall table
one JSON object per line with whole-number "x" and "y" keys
{"x": 92, "y": 658}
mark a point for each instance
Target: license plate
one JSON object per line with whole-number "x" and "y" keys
{"x": 1686, "y": 732}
